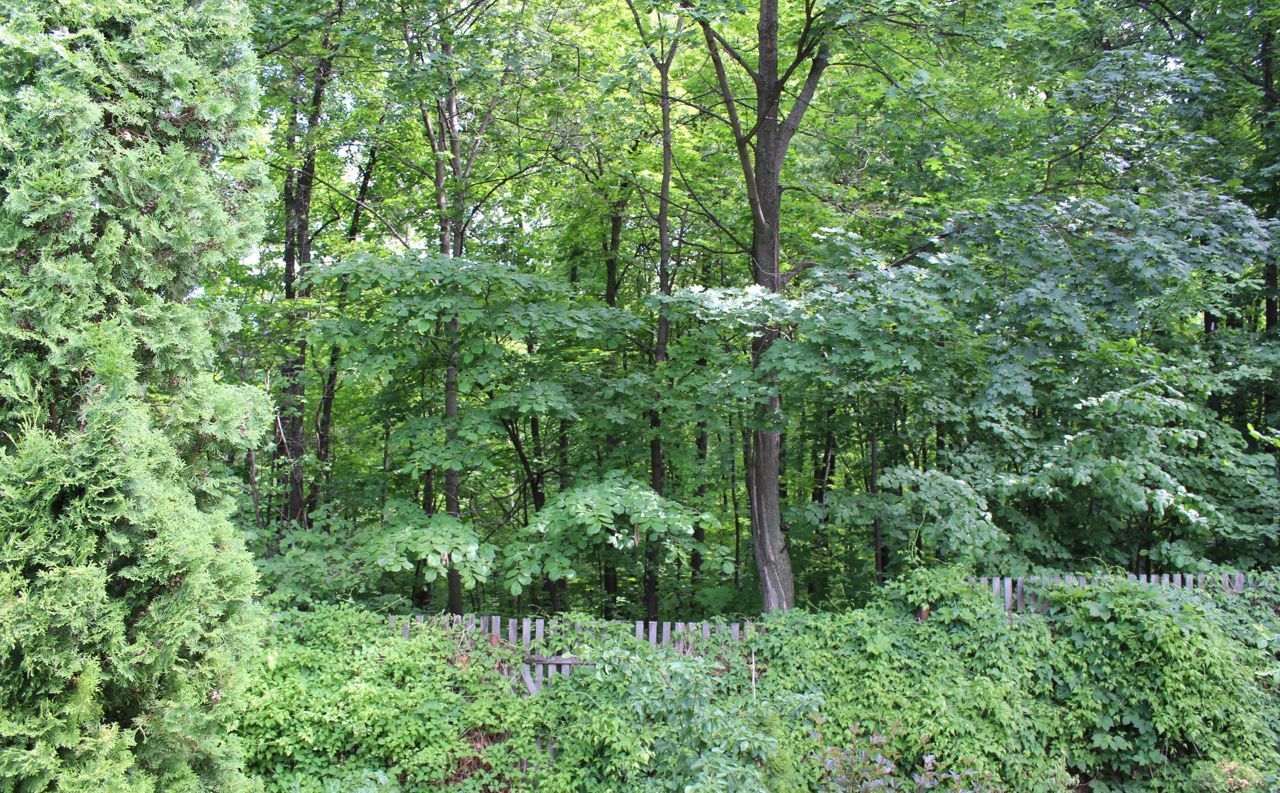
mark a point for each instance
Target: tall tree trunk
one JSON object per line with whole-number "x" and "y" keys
{"x": 613, "y": 249}
{"x": 653, "y": 547}
{"x": 873, "y": 487}
{"x": 762, "y": 149}
{"x": 1271, "y": 311}
{"x": 823, "y": 471}
{"x": 298, "y": 191}
{"x": 699, "y": 531}
{"x": 421, "y": 595}
{"x": 452, "y": 502}
{"x": 535, "y": 474}
{"x": 662, "y": 334}
{"x": 291, "y": 438}
{"x": 324, "y": 420}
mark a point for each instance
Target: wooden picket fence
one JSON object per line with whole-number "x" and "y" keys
{"x": 547, "y": 644}
{"x": 1018, "y": 593}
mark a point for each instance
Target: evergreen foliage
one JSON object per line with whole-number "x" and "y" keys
{"x": 126, "y": 595}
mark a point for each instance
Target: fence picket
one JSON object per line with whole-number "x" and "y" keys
{"x": 543, "y": 671}
{"x": 557, "y": 658}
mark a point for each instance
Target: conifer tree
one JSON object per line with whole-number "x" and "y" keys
{"x": 125, "y": 591}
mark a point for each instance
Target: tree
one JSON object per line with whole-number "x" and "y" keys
{"x": 880, "y": 275}
{"x": 126, "y": 591}
{"x": 762, "y": 142}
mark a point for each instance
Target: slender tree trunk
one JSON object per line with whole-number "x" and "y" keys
{"x": 653, "y": 547}
{"x": 737, "y": 520}
{"x": 386, "y": 467}
{"x": 298, "y": 191}
{"x": 535, "y": 471}
{"x": 324, "y": 420}
{"x": 251, "y": 458}
{"x": 452, "y": 502}
{"x": 1271, "y": 310}
{"x": 873, "y": 487}
{"x": 824, "y": 470}
{"x": 562, "y": 456}
{"x": 291, "y": 438}
{"x": 699, "y": 531}
{"x": 613, "y": 250}
{"x": 421, "y": 595}
{"x": 662, "y": 335}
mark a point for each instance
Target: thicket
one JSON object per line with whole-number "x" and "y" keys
{"x": 1122, "y": 686}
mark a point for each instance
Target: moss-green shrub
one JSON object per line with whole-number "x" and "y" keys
{"x": 968, "y": 685}
{"x": 648, "y": 719}
{"x": 343, "y": 703}
{"x": 1127, "y": 687}
{"x": 1156, "y": 689}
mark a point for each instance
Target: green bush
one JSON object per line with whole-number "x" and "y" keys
{"x": 126, "y": 596}
{"x": 1161, "y": 689}
{"x": 340, "y": 702}
{"x": 646, "y": 718}
{"x": 1125, "y": 686}
{"x": 968, "y": 685}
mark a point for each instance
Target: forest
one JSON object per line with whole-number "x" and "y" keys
{"x": 667, "y": 312}
{"x": 800, "y": 314}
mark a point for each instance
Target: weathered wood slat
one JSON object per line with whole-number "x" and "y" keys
{"x": 539, "y": 675}
{"x": 548, "y": 646}
{"x": 1022, "y": 594}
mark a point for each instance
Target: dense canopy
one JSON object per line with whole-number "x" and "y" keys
{"x": 671, "y": 309}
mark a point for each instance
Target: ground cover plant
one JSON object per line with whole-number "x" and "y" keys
{"x": 1120, "y": 686}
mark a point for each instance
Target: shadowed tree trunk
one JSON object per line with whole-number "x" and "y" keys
{"x": 762, "y": 146}
{"x": 298, "y": 191}
{"x": 324, "y": 419}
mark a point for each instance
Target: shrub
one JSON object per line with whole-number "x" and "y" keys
{"x": 341, "y": 702}
{"x": 967, "y": 685}
{"x": 647, "y": 718}
{"x": 125, "y": 592}
{"x": 1154, "y": 692}
{"x": 1131, "y": 687}
{"x": 870, "y": 763}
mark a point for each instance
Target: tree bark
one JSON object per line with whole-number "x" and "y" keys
{"x": 873, "y": 487}
{"x": 452, "y": 502}
{"x": 762, "y": 149}
{"x": 298, "y": 191}
{"x": 699, "y": 531}
{"x": 662, "y": 333}
{"x": 324, "y": 419}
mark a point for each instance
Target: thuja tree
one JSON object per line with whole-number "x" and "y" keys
{"x": 125, "y": 592}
